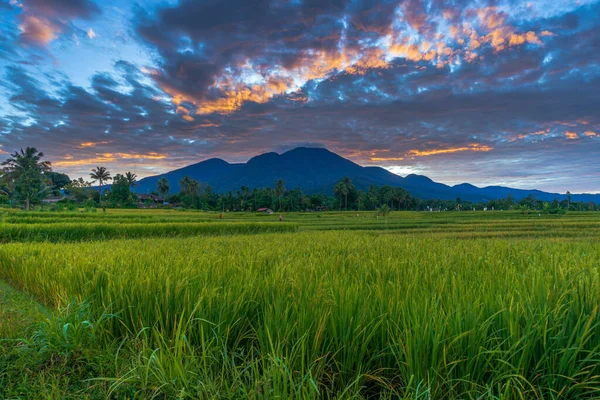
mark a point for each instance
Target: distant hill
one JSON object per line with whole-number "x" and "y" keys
{"x": 317, "y": 170}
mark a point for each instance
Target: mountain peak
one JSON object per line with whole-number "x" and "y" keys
{"x": 263, "y": 158}
{"x": 308, "y": 150}
{"x": 317, "y": 170}
{"x": 215, "y": 162}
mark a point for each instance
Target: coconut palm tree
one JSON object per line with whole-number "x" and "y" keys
{"x": 163, "y": 187}
{"x": 280, "y": 190}
{"x": 25, "y": 171}
{"x": 131, "y": 179}
{"x": 189, "y": 186}
{"x": 339, "y": 190}
{"x": 348, "y": 187}
{"x": 101, "y": 175}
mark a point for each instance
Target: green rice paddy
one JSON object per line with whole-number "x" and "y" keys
{"x": 415, "y": 305}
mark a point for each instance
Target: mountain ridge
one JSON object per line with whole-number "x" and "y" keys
{"x": 316, "y": 170}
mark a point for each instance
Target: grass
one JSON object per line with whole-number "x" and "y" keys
{"x": 416, "y": 306}
{"x": 70, "y": 232}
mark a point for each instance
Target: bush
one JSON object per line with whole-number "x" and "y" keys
{"x": 90, "y": 205}
{"x": 384, "y": 210}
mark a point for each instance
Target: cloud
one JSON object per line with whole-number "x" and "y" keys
{"x": 66, "y": 9}
{"x": 38, "y": 30}
{"x": 91, "y": 34}
{"x": 219, "y": 55}
{"x": 432, "y": 152}
{"x": 91, "y": 144}
{"x": 42, "y": 21}
{"x": 571, "y": 135}
{"x": 427, "y": 87}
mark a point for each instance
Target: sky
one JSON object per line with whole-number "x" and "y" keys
{"x": 498, "y": 92}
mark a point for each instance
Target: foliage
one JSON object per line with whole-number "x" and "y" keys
{"x": 80, "y": 190}
{"x": 120, "y": 192}
{"x": 131, "y": 179}
{"x": 101, "y": 175}
{"x": 58, "y": 181}
{"x": 24, "y": 173}
{"x": 189, "y": 191}
{"x": 163, "y": 186}
{"x": 384, "y": 210}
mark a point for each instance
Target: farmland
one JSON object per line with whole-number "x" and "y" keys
{"x": 413, "y": 305}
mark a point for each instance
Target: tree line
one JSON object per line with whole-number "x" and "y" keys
{"x": 26, "y": 179}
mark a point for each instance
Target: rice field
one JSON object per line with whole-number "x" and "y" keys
{"x": 415, "y": 305}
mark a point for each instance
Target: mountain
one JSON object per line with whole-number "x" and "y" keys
{"x": 316, "y": 170}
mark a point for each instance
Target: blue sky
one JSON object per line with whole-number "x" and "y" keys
{"x": 487, "y": 92}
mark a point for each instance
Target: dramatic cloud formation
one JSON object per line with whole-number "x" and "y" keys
{"x": 493, "y": 92}
{"x": 43, "y": 20}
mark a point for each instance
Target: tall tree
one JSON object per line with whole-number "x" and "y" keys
{"x": 400, "y": 195}
{"x": 339, "y": 190}
{"x": 81, "y": 190}
{"x": 280, "y": 190}
{"x": 163, "y": 187}
{"x": 24, "y": 170}
{"x": 190, "y": 187}
{"x": 350, "y": 189}
{"x": 120, "y": 193}
{"x": 343, "y": 188}
{"x": 131, "y": 179}
{"x": 101, "y": 175}
{"x": 58, "y": 181}
{"x": 245, "y": 193}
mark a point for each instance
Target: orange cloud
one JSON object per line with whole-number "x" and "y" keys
{"x": 152, "y": 156}
{"x": 85, "y": 145}
{"x": 247, "y": 82}
{"x": 541, "y": 132}
{"x": 38, "y": 30}
{"x": 387, "y": 158}
{"x": 590, "y": 133}
{"x": 490, "y": 17}
{"x": 68, "y": 160}
{"x": 472, "y": 147}
{"x": 532, "y": 38}
{"x": 571, "y": 135}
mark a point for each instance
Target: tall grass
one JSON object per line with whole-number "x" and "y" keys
{"x": 334, "y": 314}
{"x": 66, "y": 232}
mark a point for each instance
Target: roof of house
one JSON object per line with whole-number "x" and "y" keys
{"x": 52, "y": 199}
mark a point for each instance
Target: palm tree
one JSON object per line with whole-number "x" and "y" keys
{"x": 339, "y": 190}
{"x": 131, "y": 179}
{"x": 163, "y": 187}
{"x": 25, "y": 171}
{"x": 280, "y": 190}
{"x": 349, "y": 186}
{"x": 245, "y": 193}
{"x": 101, "y": 175}
{"x": 344, "y": 187}
{"x": 190, "y": 187}
{"x": 400, "y": 195}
